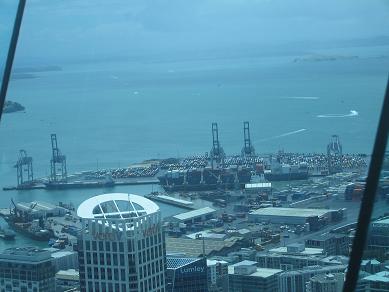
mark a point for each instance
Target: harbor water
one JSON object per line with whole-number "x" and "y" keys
{"x": 112, "y": 114}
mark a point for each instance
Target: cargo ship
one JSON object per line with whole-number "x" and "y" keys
{"x": 21, "y": 222}
{"x": 31, "y": 229}
{"x": 7, "y": 234}
{"x": 78, "y": 185}
{"x": 205, "y": 179}
{"x": 285, "y": 172}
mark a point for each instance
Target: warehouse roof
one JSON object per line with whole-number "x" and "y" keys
{"x": 381, "y": 222}
{"x": 194, "y": 213}
{"x": 36, "y": 206}
{"x": 379, "y": 277}
{"x": 194, "y": 247}
{"x": 293, "y": 212}
{"x": 306, "y": 251}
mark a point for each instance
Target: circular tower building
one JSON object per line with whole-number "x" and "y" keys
{"x": 121, "y": 245}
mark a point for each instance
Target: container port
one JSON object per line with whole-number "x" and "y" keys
{"x": 211, "y": 171}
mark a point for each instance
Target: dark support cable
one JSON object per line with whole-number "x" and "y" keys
{"x": 11, "y": 54}
{"x": 367, "y": 204}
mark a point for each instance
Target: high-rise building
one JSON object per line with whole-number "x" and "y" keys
{"x": 217, "y": 271}
{"x": 326, "y": 283}
{"x": 245, "y": 276}
{"x": 296, "y": 280}
{"x": 186, "y": 274}
{"x": 378, "y": 240}
{"x": 121, "y": 246}
{"x": 331, "y": 243}
{"x": 26, "y": 269}
{"x": 67, "y": 280}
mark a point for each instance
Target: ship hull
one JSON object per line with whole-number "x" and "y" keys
{"x": 64, "y": 186}
{"x": 205, "y": 180}
{"x": 286, "y": 176}
{"x": 33, "y": 235}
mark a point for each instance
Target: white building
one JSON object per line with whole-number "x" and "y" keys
{"x": 121, "y": 246}
{"x": 292, "y": 216}
{"x": 198, "y": 215}
{"x": 246, "y": 276}
{"x": 217, "y": 274}
{"x": 40, "y": 209}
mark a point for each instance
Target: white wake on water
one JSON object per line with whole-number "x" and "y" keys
{"x": 301, "y": 97}
{"x": 352, "y": 113}
{"x": 282, "y": 135}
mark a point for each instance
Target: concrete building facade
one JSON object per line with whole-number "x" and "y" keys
{"x": 121, "y": 246}
{"x": 26, "y": 269}
{"x": 245, "y": 276}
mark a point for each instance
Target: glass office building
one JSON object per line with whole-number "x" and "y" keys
{"x": 186, "y": 274}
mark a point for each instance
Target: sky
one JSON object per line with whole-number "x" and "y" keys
{"x": 66, "y": 30}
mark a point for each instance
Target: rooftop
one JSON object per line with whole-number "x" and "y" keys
{"x": 257, "y": 185}
{"x": 36, "y": 206}
{"x": 177, "y": 262}
{"x": 245, "y": 263}
{"x": 326, "y": 236}
{"x": 183, "y": 202}
{"x": 194, "y": 247}
{"x": 70, "y": 274}
{"x": 194, "y": 213}
{"x": 382, "y": 222}
{"x": 294, "y": 212}
{"x": 371, "y": 262}
{"x": 379, "y": 277}
{"x": 259, "y": 272}
{"x": 117, "y": 206}
{"x": 30, "y": 254}
{"x": 207, "y": 234}
{"x": 316, "y": 269}
{"x": 62, "y": 253}
{"x": 212, "y": 262}
{"x": 306, "y": 251}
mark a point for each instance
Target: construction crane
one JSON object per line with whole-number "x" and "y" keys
{"x": 24, "y": 170}
{"x": 248, "y": 148}
{"x": 217, "y": 152}
{"x": 57, "y": 162}
{"x": 334, "y": 147}
{"x": 334, "y": 150}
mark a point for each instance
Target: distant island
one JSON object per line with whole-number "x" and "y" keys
{"x": 319, "y": 58}
{"x": 31, "y": 72}
{"x": 11, "y": 107}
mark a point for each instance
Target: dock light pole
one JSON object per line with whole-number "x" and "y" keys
{"x": 200, "y": 236}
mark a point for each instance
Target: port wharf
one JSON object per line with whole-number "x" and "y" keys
{"x": 192, "y": 169}
{"x": 171, "y": 201}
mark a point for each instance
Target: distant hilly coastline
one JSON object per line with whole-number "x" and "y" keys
{"x": 12, "y": 107}
{"x": 319, "y": 58}
{"x": 31, "y": 72}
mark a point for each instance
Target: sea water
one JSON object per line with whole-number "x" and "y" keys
{"x": 112, "y": 114}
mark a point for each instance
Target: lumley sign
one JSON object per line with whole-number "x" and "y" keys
{"x": 194, "y": 269}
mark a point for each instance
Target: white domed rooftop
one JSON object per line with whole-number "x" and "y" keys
{"x": 116, "y": 206}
